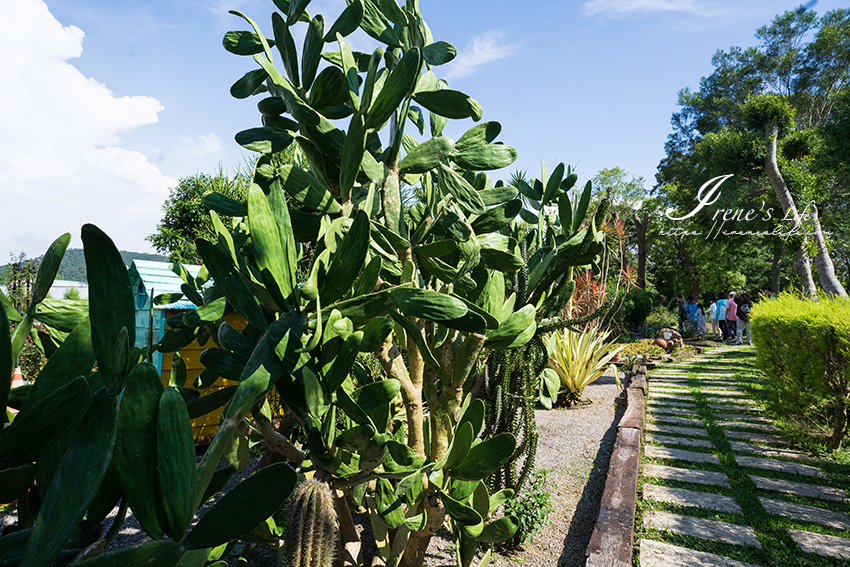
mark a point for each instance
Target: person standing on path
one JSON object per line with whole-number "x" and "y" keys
{"x": 746, "y": 304}
{"x": 683, "y": 313}
{"x": 731, "y": 316}
{"x": 700, "y": 320}
{"x": 712, "y": 313}
{"x": 721, "y": 314}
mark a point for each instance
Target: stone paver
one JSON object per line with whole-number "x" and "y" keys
{"x": 799, "y": 488}
{"x": 713, "y": 530}
{"x": 672, "y": 404}
{"x": 822, "y": 544}
{"x": 739, "y": 416}
{"x": 768, "y": 451}
{"x": 667, "y": 440}
{"x": 838, "y": 520}
{"x": 657, "y": 554}
{"x": 744, "y": 424}
{"x": 673, "y": 411}
{"x": 677, "y": 420}
{"x": 671, "y": 397}
{"x": 684, "y": 497}
{"x": 735, "y": 407}
{"x": 780, "y": 466}
{"x": 686, "y": 475}
{"x": 756, "y": 437}
{"x": 680, "y": 455}
{"x": 687, "y": 431}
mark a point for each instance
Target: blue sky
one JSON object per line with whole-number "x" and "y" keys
{"x": 106, "y": 104}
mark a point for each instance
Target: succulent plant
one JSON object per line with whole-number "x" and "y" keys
{"x": 312, "y": 533}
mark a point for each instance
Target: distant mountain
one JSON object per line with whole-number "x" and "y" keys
{"x": 73, "y": 266}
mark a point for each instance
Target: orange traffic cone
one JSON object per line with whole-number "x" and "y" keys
{"x": 17, "y": 378}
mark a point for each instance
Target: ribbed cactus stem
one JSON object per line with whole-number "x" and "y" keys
{"x": 312, "y": 532}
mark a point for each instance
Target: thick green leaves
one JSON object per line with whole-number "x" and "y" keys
{"x": 48, "y": 268}
{"x": 450, "y": 104}
{"x": 497, "y": 218}
{"x": 464, "y": 436}
{"x": 515, "y": 331}
{"x": 313, "y": 45}
{"x": 375, "y": 24}
{"x": 468, "y": 519}
{"x": 349, "y": 67}
{"x": 416, "y": 334}
{"x": 226, "y": 364}
{"x": 243, "y": 508}
{"x": 348, "y": 260}
{"x": 286, "y": 47}
{"x": 135, "y": 450}
{"x": 472, "y": 412}
{"x": 307, "y": 190}
{"x": 553, "y": 184}
{"x": 224, "y": 205}
{"x": 264, "y": 140}
{"x": 438, "y": 53}
{"x": 76, "y": 481}
{"x": 583, "y": 204}
{"x": 159, "y": 553}
{"x": 364, "y": 308}
{"x": 500, "y": 260}
{"x": 466, "y": 195}
{"x": 327, "y": 88}
{"x": 175, "y": 460}
{"x": 499, "y": 530}
{"x": 249, "y": 84}
{"x": 207, "y": 313}
{"x": 398, "y": 85}
{"x": 268, "y": 249}
{"x": 210, "y": 402}
{"x": 347, "y": 22}
{"x": 427, "y": 304}
{"x": 229, "y": 280}
{"x": 352, "y": 156}
{"x": 483, "y": 158}
{"x": 243, "y": 42}
{"x": 344, "y": 360}
{"x": 14, "y": 481}
{"x": 486, "y": 458}
{"x": 427, "y": 155}
{"x": 114, "y": 309}
{"x": 42, "y": 424}
{"x": 375, "y": 333}
{"x": 479, "y": 135}
{"x": 6, "y": 364}
{"x": 377, "y": 394}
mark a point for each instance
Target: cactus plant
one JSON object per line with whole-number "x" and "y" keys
{"x": 312, "y": 534}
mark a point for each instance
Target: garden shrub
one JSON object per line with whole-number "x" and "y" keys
{"x": 804, "y": 349}
{"x": 636, "y": 307}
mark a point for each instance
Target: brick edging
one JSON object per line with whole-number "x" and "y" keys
{"x": 613, "y": 537}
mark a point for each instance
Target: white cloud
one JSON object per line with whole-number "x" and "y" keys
{"x": 487, "y": 47}
{"x": 628, "y": 7}
{"x": 61, "y": 164}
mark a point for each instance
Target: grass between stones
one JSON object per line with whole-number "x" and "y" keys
{"x": 778, "y": 548}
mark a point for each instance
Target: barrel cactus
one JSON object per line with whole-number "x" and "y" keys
{"x": 312, "y": 534}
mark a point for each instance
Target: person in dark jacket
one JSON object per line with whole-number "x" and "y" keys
{"x": 745, "y": 304}
{"x": 683, "y": 313}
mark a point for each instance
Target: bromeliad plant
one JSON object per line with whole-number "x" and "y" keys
{"x": 578, "y": 358}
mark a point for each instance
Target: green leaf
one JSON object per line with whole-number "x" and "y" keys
{"x": 352, "y": 156}
{"x": 377, "y": 394}
{"x": 515, "y": 331}
{"x": 224, "y": 205}
{"x": 565, "y": 211}
{"x": 297, "y": 13}
{"x": 240, "y": 510}
{"x": 210, "y": 402}
{"x": 347, "y": 261}
{"x": 437, "y": 249}
{"x": 226, "y": 364}
{"x": 427, "y": 155}
{"x": 313, "y": 45}
{"x": 76, "y": 481}
{"x": 268, "y": 248}
{"x": 450, "y": 104}
{"x": 114, "y": 309}
{"x": 374, "y": 334}
{"x": 499, "y": 530}
{"x": 249, "y": 84}
{"x": 464, "y": 436}
{"x": 264, "y": 140}
{"x": 468, "y": 519}
{"x": 483, "y": 158}
{"x": 243, "y": 42}
{"x": 478, "y": 135}
{"x": 274, "y": 106}
{"x": 452, "y": 182}
{"x": 501, "y": 260}
{"x": 347, "y": 22}
{"x": 349, "y": 67}
{"x": 486, "y": 458}
{"x": 500, "y": 498}
{"x": 48, "y": 267}
{"x": 439, "y": 53}
{"x": 376, "y": 25}
{"x": 583, "y": 204}
{"x": 399, "y": 84}
{"x": 427, "y": 304}
{"x": 472, "y": 412}
{"x": 416, "y": 334}
{"x": 175, "y": 462}
{"x": 553, "y": 185}
{"x": 498, "y": 195}
{"x": 364, "y": 308}
{"x": 159, "y": 553}
{"x": 327, "y": 88}
{"x": 392, "y": 11}
{"x": 230, "y": 281}
{"x": 497, "y": 218}
{"x": 307, "y": 190}
{"x": 371, "y": 77}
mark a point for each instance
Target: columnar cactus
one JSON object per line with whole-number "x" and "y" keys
{"x": 312, "y": 534}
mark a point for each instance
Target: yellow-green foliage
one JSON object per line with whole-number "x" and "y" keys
{"x": 580, "y": 358}
{"x": 646, "y": 347}
{"x": 804, "y": 348}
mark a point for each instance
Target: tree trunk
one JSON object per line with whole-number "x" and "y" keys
{"x": 826, "y": 271}
{"x": 803, "y": 264}
{"x": 689, "y": 267}
{"x": 641, "y": 227}
{"x": 776, "y": 265}
{"x": 839, "y": 422}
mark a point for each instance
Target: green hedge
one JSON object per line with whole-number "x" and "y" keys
{"x": 804, "y": 349}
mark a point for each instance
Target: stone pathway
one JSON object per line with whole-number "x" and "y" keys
{"x": 720, "y": 485}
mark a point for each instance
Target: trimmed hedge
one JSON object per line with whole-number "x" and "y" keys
{"x": 804, "y": 349}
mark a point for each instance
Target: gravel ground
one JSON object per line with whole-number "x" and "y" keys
{"x": 574, "y": 444}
